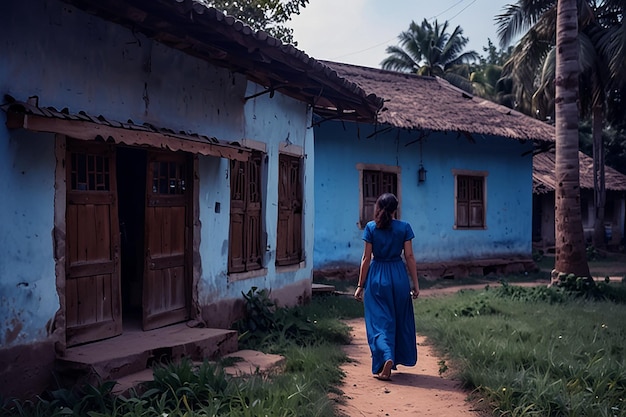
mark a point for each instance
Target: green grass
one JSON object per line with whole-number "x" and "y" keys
{"x": 310, "y": 337}
{"x": 533, "y": 351}
{"x": 525, "y": 351}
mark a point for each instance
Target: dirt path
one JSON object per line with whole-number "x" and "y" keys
{"x": 411, "y": 391}
{"x": 418, "y": 390}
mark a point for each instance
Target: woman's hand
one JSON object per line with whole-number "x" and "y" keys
{"x": 414, "y": 293}
{"x": 358, "y": 294}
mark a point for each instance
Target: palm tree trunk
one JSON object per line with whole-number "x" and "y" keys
{"x": 570, "y": 241}
{"x": 599, "y": 188}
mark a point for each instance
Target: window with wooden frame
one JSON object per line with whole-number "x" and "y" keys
{"x": 470, "y": 200}
{"x": 246, "y": 237}
{"x": 374, "y": 181}
{"x": 289, "y": 249}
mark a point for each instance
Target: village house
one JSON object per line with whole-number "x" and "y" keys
{"x": 157, "y": 161}
{"x": 460, "y": 165}
{"x": 544, "y": 185}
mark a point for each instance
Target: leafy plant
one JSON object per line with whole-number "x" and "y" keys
{"x": 547, "y": 351}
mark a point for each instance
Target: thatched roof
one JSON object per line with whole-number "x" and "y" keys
{"x": 544, "y": 179}
{"x": 431, "y": 103}
{"x": 208, "y": 34}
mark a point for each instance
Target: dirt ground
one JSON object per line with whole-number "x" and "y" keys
{"x": 418, "y": 390}
{"x": 411, "y": 391}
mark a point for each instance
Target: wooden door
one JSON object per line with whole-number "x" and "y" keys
{"x": 92, "y": 286}
{"x": 289, "y": 233}
{"x": 166, "y": 289}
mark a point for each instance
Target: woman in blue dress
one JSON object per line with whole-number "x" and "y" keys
{"x": 385, "y": 289}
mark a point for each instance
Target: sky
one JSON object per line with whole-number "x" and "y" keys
{"x": 358, "y": 31}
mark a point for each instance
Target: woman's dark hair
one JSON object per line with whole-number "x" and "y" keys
{"x": 386, "y": 205}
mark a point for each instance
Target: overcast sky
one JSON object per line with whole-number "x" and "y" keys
{"x": 358, "y": 31}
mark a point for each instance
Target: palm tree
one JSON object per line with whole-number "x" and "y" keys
{"x": 429, "y": 50}
{"x": 602, "y": 60}
{"x": 485, "y": 75}
{"x": 570, "y": 240}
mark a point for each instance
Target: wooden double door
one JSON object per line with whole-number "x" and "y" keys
{"x": 128, "y": 240}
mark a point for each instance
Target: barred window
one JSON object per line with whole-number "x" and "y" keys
{"x": 470, "y": 201}
{"x": 246, "y": 243}
{"x": 375, "y": 180}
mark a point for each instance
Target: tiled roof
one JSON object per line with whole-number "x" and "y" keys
{"x": 544, "y": 178}
{"x": 30, "y": 116}
{"x": 431, "y": 103}
{"x": 205, "y": 32}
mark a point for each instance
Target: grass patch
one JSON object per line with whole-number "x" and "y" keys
{"x": 533, "y": 351}
{"x": 310, "y": 337}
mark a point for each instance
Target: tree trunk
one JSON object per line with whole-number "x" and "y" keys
{"x": 570, "y": 241}
{"x": 599, "y": 189}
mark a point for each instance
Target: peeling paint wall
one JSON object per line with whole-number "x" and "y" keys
{"x": 68, "y": 58}
{"x": 429, "y": 206}
{"x": 275, "y": 121}
{"x": 28, "y": 298}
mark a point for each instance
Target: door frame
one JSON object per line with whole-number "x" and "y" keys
{"x": 58, "y": 327}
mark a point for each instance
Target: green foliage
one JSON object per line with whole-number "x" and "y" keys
{"x": 614, "y": 138}
{"x": 592, "y": 253}
{"x": 312, "y": 370}
{"x": 267, "y": 327}
{"x": 428, "y": 49}
{"x": 267, "y": 15}
{"x": 541, "y": 351}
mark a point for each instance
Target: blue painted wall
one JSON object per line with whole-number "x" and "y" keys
{"x": 71, "y": 59}
{"x": 429, "y": 206}
{"x": 276, "y": 121}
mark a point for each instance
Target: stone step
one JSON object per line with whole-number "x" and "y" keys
{"x": 135, "y": 351}
{"x": 245, "y": 362}
{"x": 322, "y": 289}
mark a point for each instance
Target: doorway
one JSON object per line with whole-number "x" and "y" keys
{"x": 154, "y": 200}
{"x": 128, "y": 240}
{"x": 131, "y": 186}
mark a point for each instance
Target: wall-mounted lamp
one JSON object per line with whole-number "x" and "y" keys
{"x": 421, "y": 174}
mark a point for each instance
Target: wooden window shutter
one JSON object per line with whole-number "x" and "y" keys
{"x": 462, "y": 202}
{"x": 470, "y": 203}
{"x": 246, "y": 229}
{"x": 476, "y": 213}
{"x": 289, "y": 234}
{"x": 374, "y": 184}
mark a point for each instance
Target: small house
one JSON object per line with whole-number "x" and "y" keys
{"x": 460, "y": 165}
{"x": 156, "y": 162}
{"x": 544, "y": 184}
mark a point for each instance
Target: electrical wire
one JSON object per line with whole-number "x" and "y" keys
{"x": 431, "y": 19}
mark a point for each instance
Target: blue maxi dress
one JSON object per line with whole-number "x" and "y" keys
{"x": 389, "y": 318}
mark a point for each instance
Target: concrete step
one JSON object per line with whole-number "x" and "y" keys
{"x": 136, "y": 351}
{"x": 322, "y": 289}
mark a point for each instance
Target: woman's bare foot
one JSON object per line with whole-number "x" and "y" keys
{"x": 385, "y": 374}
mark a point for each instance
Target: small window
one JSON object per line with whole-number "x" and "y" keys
{"x": 470, "y": 200}
{"x": 168, "y": 177}
{"x": 246, "y": 227}
{"x": 89, "y": 172}
{"x": 375, "y": 180}
{"x": 289, "y": 249}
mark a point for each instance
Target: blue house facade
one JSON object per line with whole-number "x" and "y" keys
{"x": 460, "y": 166}
{"x": 149, "y": 177}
